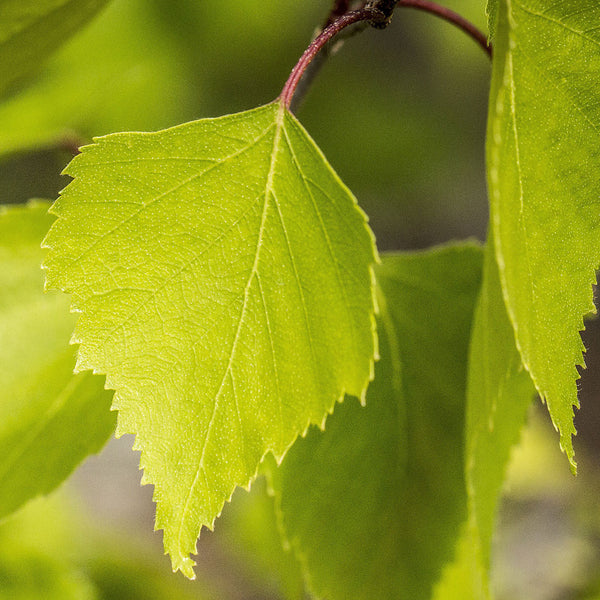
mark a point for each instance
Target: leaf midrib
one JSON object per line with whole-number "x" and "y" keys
{"x": 268, "y": 192}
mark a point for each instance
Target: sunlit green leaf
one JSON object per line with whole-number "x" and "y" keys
{"x": 49, "y": 419}
{"x": 32, "y": 29}
{"x": 499, "y": 393}
{"x": 374, "y": 504}
{"x": 543, "y": 163}
{"x": 223, "y": 276}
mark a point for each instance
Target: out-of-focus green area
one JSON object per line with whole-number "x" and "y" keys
{"x": 51, "y": 549}
{"x": 400, "y": 114}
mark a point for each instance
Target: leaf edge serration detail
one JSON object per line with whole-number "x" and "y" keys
{"x": 550, "y": 207}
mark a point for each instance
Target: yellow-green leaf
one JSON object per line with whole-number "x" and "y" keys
{"x": 374, "y": 504}
{"x": 543, "y": 164}
{"x": 223, "y": 275}
{"x": 499, "y": 391}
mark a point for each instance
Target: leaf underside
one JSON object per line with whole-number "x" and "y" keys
{"x": 373, "y": 505}
{"x": 223, "y": 276}
{"x": 543, "y": 160}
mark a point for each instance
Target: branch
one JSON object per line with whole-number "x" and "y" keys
{"x": 378, "y": 14}
{"x": 339, "y": 9}
{"x": 346, "y": 20}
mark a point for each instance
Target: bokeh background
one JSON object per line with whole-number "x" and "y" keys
{"x": 401, "y": 116}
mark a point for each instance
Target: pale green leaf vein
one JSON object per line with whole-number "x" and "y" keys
{"x": 525, "y": 237}
{"x": 325, "y": 237}
{"x": 259, "y": 243}
{"x": 299, "y": 286}
{"x": 173, "y": 189}
{"x": 273, "y": 355}
{"x": 186, "y": 266}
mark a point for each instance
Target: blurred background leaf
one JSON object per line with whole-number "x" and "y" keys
{"x": 50, "y": 419}
{"x": 52, "y": 549}
{"x": 30, "y": 30}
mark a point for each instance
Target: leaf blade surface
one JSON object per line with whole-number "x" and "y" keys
{"x": 356, "y": 500}
{"x": 223, "y": 275}
{"x": 499, "y": 392}
{"x": 542, "y": 159}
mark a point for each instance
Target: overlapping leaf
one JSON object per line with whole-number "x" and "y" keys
{"x": 49, "y": 419}
{"x": 223, "y": 276}
{"x": 543, "y": 162}
{"x": 373, "y": 505}
{"x": 31, "y": 29}
{"x": 498, "y": 394}
{"x": 250, "y": 528}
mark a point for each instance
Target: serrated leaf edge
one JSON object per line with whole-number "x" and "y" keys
{"x": 565, "y": 442}
{"x": 182, "y": 563}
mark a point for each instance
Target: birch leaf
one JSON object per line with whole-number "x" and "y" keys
{"x": 223, "y": 275}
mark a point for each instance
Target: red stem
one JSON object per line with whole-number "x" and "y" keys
{"x": 363, "y": 14}
{"x": 452, "y": 17}
{"x": 376, "y": 17}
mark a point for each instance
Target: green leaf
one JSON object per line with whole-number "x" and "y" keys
{"x": 31, "y": 29}
{"x": 50, "y": 420}
{"x": 374, "y": 504}
{"x": 223, "y": 276}
{"x": 543, "y": 162}
{"x": 499, "y": 392}
{"x": 464, "y": 578}
{"x": 53, "y": 549}
{"x": 37, "y": 546}
{"x": 250, "y": 531}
